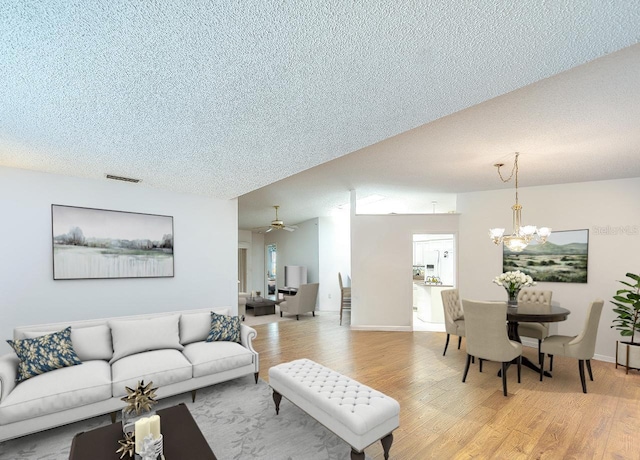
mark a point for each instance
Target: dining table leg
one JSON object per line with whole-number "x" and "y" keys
{"x": 512, "y": 329}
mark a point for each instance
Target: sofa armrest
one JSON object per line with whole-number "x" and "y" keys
{"x": 247, "y": 334}
{"x": 8, "y": 374}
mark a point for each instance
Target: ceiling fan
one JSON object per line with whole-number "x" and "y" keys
{"x": 277, "y": 224}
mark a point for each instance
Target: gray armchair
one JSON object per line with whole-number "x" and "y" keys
{"x": 303, "y": 302}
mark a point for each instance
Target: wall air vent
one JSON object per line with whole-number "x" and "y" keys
{"x": 124, "y": 179}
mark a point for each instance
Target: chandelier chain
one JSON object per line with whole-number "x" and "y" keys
{"x": 514, "y": 169}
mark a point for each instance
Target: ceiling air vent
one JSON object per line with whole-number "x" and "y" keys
{"x": 124, "y": 179}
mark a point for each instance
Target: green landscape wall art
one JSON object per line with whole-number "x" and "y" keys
{"x": 99, "y": 243}
{"x": 562, "y": 259}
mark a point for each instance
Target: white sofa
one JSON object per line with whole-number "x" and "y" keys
{"x": 166, "y": 348}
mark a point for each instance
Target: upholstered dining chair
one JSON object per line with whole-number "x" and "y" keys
{"x": 538, "y": 331}
{"x": 345, "y": 297}
{"x": 453, "y": 316}
{"x": 303, "y": 302}
{"x": 487, "y": 339}
{"x": 582, "y": 346}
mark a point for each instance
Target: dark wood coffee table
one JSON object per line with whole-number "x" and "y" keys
{"x": 263, "y": 307}
{"x": 182, "y": 439}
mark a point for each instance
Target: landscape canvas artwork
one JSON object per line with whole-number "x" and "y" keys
{"x": 98, "y": 243}
{"x": 563, "y": 258}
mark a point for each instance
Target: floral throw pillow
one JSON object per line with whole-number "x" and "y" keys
{"x": 224, "y": 328}
{"x": 45, "y": 353}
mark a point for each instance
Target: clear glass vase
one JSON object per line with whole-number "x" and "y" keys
{"x": 513, "y": 298}
{"x": 129, "y": 419}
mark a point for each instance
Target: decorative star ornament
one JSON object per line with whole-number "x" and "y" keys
{"x": 141, "y": 398}
{"x": 127, "y": 446}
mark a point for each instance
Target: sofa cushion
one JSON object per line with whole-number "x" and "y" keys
{"x": 56, "y": 391}
{"x": 213, "y": 357}
{"x": 162, "y": 367}
{"x": 89, "y": 343}
{"x": 195, "y": 327}
{"x": 224, "y": 328}
{"x": 134, "y": 336}
{"x": 45, "y": 353}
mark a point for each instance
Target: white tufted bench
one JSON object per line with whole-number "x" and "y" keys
{"x": 358, "y": 414}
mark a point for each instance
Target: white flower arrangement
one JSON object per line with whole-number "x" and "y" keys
{"x": 513, "y": 282}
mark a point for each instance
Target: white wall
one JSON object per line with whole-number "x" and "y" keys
{"x": 590, "y": 205}
{"x": 299, "y": 247}
{"x": 205, "y": 238}
{"x": 381, "y": 266}
{"x": 334, "y": 256}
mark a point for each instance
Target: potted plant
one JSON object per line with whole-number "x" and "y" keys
{"x": 627, "y": 302}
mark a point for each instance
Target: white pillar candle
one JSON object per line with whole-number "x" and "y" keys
{"x": 143, "y": 429}
{"x": 154, "y": 422}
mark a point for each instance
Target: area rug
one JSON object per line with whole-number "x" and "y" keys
{"x": 237, "y": 418}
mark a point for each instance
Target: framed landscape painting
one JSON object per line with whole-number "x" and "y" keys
{"x": 563, "y": 258}
{"x": 99, "y": 243}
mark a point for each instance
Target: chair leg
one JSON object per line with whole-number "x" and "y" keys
{"x": 504, "y": 378}
{"x": 466, "y": 368}
{"x": 539, "y": 352}
{"x": 541, "y": 366}
{"x": 519, "y": 367}
{"x": 550, "y": 363}
{"x": 480, "y": 360}
{"x": 446, "y": 344}
{"x": 589, "y": 369}
{"x": 582, "y": 380}
{"x": 459, "y": 341}
{"x": 297, "y": 317}
{"x": 341, "y": 313}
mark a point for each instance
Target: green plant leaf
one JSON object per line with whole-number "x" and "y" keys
{"x": 633, "y": 276}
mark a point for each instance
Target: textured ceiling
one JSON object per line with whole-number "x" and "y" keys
{"x": 223, "y": 98}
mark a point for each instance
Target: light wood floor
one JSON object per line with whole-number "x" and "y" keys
{"x": 443, "y": 418}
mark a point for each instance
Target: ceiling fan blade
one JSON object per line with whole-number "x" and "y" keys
{"x": 268, "y": 230}
{"x": 288, "y": 228}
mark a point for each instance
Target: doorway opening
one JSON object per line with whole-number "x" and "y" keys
{"x": 242, "y": 270}
{"x": 434, "y": 268}
{"x": 271, "y": 261}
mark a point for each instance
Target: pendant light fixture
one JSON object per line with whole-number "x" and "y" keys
{"x": 522, "y": 235}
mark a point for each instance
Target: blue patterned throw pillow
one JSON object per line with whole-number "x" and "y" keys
{"x": 224, "y": 328}
{"x": 45, "y": 353}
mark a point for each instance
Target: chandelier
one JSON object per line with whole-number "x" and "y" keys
{"x": 522, "y": 234}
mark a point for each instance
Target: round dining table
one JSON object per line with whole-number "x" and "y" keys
{"x": 530, "y": 313}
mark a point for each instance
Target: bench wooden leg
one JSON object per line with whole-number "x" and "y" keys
{"x": 255, "y": 374}
{"x": 113, "y": 417}
{"x": 355, "y": 455}
{"x": 193, "y": 395}
{"x": 386, "y": 444}
{"x": 277, "y": 397}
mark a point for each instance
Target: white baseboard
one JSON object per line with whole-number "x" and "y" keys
{"x": 382, "y": 328}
